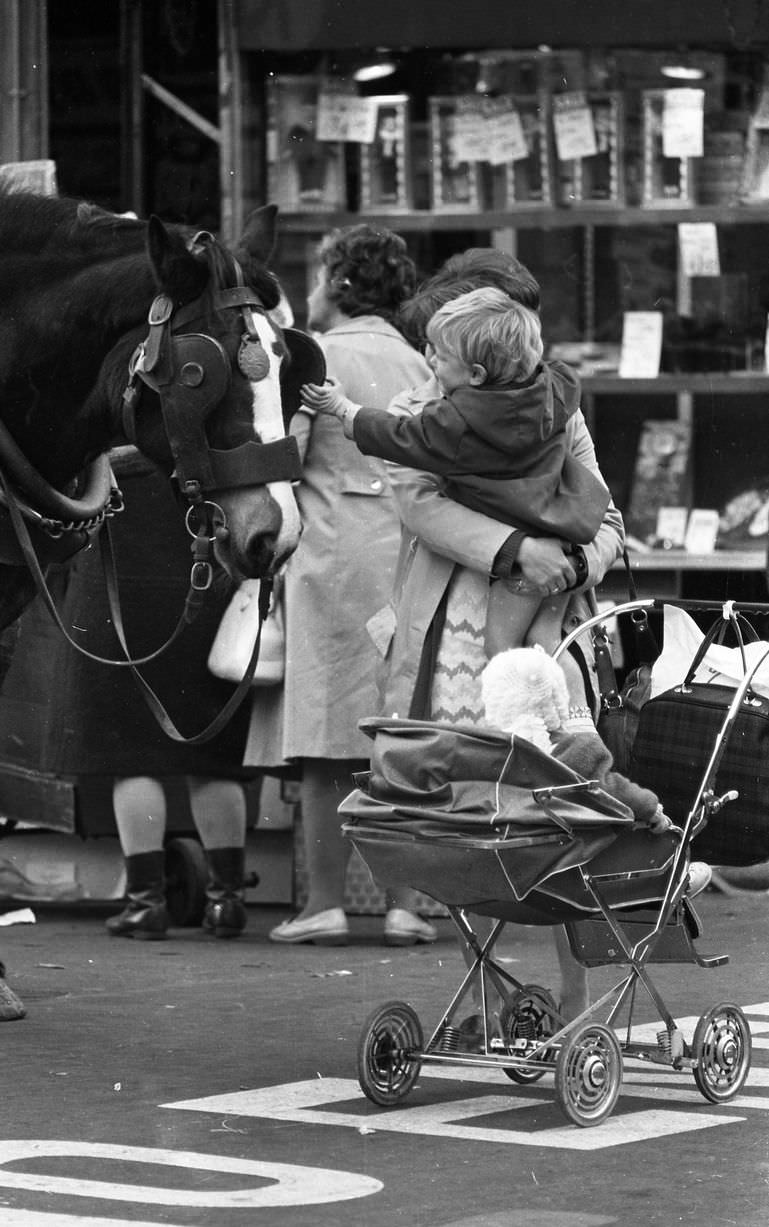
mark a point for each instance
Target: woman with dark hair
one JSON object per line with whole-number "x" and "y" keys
{"x": 340, "y": 575}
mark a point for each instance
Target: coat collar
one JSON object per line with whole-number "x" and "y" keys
{"x": 361, "y": 323}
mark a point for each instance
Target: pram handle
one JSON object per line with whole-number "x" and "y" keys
{"x": 659, "y": 603}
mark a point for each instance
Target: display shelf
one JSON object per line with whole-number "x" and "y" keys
{"x": 696, "y": 384}
{"x": 522, "y": 218}
{"x": 680, "y": 560}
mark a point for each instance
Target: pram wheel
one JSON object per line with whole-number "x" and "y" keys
{"x": 722, "y": 1048}
{"x": 387, "y": 1070}
{"x": 529, "y": 1015}
{"x": 588, "y": 1074}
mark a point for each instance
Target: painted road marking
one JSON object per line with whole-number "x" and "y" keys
{"x": 290, "y": 1184}
{"x": 311, "y": 1103}
{"x": 308, "y": 1103}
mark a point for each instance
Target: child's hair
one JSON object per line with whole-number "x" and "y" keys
{"x": 488, "y": 328}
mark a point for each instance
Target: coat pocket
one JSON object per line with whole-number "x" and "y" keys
{"x": 381, "y": 628}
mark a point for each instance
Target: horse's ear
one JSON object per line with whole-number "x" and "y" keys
{"x": 257, "y": 242}
{"x": 176, "y": 270}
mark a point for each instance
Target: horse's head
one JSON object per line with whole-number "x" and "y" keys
{"x": 213, "y": 358}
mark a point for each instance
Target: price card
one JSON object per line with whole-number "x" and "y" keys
{"x": 468, "y": 136}
{"x": 698, "y": 249}
{"x": 702, "y": 531}
{"x": 683, "y": 123}
{"x": 641, "y": 345}
{"x": 671, "y": 527}
{"x": 574, "y": 127}
{"x": 505, "y": 138}
{"x": 346, "y": 117}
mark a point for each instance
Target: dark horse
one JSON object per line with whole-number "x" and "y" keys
{"x": 114, "y": 331}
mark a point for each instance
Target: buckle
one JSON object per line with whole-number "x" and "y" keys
{"x": 160, "y": 310}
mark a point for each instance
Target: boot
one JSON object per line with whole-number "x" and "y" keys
{"x": 225, "y": 914}
{"x": 144, "y": 916}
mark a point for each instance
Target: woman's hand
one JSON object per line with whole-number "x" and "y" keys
{"x": 545, "y": 564}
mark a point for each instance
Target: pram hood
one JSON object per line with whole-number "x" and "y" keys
{"x": 456, "y": 811}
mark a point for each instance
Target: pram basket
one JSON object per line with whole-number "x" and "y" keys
{"x": 493, "y": 827}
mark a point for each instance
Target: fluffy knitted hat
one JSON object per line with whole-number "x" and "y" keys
{"x": 524, "y": 693}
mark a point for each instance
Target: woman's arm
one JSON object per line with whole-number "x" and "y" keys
{"x": 474, "y": 540}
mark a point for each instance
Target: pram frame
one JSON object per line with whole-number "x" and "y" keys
{"x": 585, "y": 1056}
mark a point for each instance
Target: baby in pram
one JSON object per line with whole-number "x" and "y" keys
{"x": 525, "y": 694}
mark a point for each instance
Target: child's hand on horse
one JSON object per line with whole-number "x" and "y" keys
{"x": 325, "y": 398}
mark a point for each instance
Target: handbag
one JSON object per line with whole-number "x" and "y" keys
{"x": 235, "y": 638}
{"x": 621, "y": 706}
{"x": 677, "y": 734}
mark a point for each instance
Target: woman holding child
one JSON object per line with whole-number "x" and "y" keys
{"x": 432, "y": 633}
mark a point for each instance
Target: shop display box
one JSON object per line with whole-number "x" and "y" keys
{"x": 385, "y": 164}
{"x": 666, "y": 181}
{"x": 599, "y": 178}
{"x": 303, "y": 173}
{"x": 474, "y": 141}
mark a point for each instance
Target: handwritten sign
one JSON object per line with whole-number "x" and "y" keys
{"x": 641, "y": 345}
{"x": 37, "y": 176}
{"x": 346, "y": 117}
{"x": 683, "y": 123}
{"x": 573, "y": 126}
{"x": 505, "y": 137}
{"x": 698, "y": 249}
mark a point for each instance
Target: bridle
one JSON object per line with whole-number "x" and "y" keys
{"x": 190, "y": 374}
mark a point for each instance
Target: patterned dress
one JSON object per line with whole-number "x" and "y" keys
{"x": 456, "y": 689}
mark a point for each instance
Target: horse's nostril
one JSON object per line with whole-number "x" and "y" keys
{"x": 261, "y": 554}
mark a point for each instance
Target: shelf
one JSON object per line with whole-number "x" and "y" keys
{"x": 679, "y": 560}
{"x": 424, "y": 220}
{"x": 699, "y": 384}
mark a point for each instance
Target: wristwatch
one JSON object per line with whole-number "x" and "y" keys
{"x": 579, "y": 563}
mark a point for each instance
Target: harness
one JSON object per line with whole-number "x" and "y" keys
{"x": 190, "y": 374}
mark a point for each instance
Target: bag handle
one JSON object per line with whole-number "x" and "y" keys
{"x": 742, "y": 628}
{"x": 647, "y": 648}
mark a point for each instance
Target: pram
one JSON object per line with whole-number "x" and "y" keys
{"x": 501, "y": 830}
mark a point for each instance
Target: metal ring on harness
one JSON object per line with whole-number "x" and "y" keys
{"x": 217, "y": 520}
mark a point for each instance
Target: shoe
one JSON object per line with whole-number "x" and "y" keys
{"x": 402, "y": 928}
{"x": 327, "y": 928}
{"x": 225, "y": 913}
{"x": 224, "y": 917}
{"x": 145, "y": 922}
{"x": 699, "y": 877}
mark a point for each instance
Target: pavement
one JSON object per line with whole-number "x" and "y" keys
{"x": 198, "y": 1082}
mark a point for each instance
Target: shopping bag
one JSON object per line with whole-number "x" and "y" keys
{"x": 678, "y": 731}
{"x": 684, "y": 642}
{"x": 234, "y": 642}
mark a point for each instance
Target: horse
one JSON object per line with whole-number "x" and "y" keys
{"x": 116, "y": 330}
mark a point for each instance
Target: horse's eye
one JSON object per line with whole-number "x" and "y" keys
{"x": 253, "y": 362}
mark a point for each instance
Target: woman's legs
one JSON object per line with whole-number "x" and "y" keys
{"x": 219, "y": 812}
{"x": 140, "y": 815}
{"x": 139, "y": 803}
{"x": 325, "y": 784}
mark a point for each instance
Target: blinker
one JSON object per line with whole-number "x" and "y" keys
{"x": 191, "y": 375}
{"x": 253, "y": 362}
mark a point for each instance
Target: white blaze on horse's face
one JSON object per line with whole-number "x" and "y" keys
{"x": 268, "y": 424}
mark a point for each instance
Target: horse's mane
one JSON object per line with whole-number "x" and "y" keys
{"x": 78, "y": 230}
{"x": 34, "y": 223}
